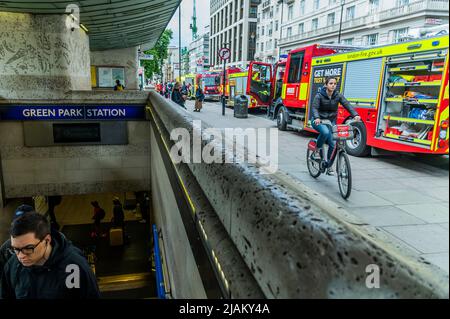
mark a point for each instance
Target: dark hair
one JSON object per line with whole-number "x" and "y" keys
{"x": 22, "y": 209}
{"x": 328, "y": 79}
{"x": 31, "y": 222}
{"x": 95, "y": 203}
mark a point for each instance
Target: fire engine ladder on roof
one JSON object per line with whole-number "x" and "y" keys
{"x": 341, "y": 48}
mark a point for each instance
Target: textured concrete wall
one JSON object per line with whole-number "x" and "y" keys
{"x": 185, "y": 281}
{"x": 127, "y": 58}
{"x": 67, "y": 170}
{"x": 296, "y": 243}
{"x": 40, "y": 57}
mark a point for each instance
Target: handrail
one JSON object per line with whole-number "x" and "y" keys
{"x": 160, "y": 287}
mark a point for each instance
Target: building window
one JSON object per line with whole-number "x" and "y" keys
{"x": 350, "y": 13}
{"x": 253, "y": 12}
{"x": 372, "y": 39}
{"x": 301, "y": 28}
{"x": 290, "y": 12}
{"x": 302, "y": 7}
{"x": 316, "y": 4}
{"x": 289, "y": 31}
{"x": 276, "y": 25}
{"x": 348, "y": 41}
{"x": 315, "y": 24}
{"x": 262, "y": 46}
{"x": 401, "y": 3}
{"x": 399, "y": 35}
{"x": 331, "y": 2}
{"x": 262, "y": 30}
{"x": 374, "y": 5}
{"x": 330, "y": 19}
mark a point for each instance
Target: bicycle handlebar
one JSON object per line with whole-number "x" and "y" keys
{"x": 328, "y": 122}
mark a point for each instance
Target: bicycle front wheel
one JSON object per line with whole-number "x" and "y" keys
{"x": 344, "y": 175}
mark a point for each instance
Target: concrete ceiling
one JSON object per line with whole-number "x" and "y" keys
{"x": 112, "y": 24}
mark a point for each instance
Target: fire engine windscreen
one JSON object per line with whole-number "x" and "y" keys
{"x": 211, "y": 81}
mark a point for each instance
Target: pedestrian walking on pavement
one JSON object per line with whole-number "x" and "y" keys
{"x": 199, "y": 98}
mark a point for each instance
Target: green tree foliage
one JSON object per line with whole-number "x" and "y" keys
{"x": 159, "y": 53}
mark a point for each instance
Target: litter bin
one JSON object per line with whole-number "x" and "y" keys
{"x": 241, "y": 106}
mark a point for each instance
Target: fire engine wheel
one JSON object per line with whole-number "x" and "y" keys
{"x": 281, "y": 119}
{"x": 357, "y": 146}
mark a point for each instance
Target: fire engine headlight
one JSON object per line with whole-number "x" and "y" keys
{"x": 443, "y": 135}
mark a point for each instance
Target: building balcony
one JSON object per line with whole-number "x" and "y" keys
{"x": 266, "y": 4}
{"x": 373, "y": 18}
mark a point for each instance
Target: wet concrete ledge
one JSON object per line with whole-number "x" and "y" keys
{"x": 298, "y": 244}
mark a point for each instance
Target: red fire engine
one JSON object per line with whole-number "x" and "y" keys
{"x": 400, "y": 91}
{"x": 210, "y": 84}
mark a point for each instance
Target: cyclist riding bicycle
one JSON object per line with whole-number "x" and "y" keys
{"x": 325, "y": 107}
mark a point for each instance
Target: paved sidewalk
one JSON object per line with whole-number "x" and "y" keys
{"x": 405, "y": 196}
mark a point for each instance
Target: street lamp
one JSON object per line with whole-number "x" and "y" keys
{"x": 340, "y": 23}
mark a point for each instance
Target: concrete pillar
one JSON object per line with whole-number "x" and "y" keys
{"x": 40, "y": 57}
{"x": 127, "y": 58}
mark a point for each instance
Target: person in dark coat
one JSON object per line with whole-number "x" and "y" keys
{"x": 177, "y": 97}
{"x": 325, "y": 107}
{"x": 118, "y": 220}
{"x": 46, "y": 265}
{"x": 199, "y": 98}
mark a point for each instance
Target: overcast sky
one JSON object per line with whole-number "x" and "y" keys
{"x": 186, "y": 16}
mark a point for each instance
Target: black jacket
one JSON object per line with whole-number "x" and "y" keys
{"x": 4, "y": 255}
{"x": 118, "y": 216}
{"x": 177, "y": 98}
{"x": 325, "y": 108}
{"x": 49, "y": 280}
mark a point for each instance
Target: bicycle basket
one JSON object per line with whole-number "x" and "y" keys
{"x": 342, "y": 132}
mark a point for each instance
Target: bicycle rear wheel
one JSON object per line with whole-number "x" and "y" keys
{"x": 313, "y": 163}
{"x": 344, "y": 175}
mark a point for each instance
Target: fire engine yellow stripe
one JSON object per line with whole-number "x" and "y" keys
{"x": 303, "y": 91}
{"x": 385, "y": 51}
{"x": 363, "y": 100}
{"x": 238, "y": 75}
{"x": 377, "y": 103}
{"x": 444, "y": 113}
{"x": 283, "y": 92}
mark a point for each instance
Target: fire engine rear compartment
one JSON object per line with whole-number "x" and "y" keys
{"x": 409, "y": 105}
